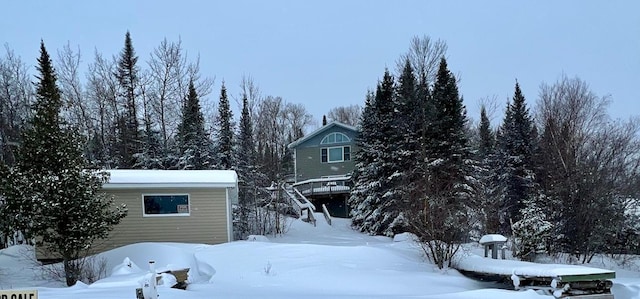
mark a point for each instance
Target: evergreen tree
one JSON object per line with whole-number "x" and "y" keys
{"x": 487, "y": 136}
{"x": 224, "y": 145}
{"x": 515, "y": 142}
{"x": 532, "y": 233}
{"x": 53, "y": 196}
{"x": 129, "y": 141}
{"x": 152, "y": 153}
{"x": 408, "y": 124}
{"x": 364, "y": 173}
{"x": 487, "y": 175}
{"x": 375, "y": 163}
{"x": 194, "y": 146}
{"x": 248, "y": 177}
{"x": 441, "y": 218}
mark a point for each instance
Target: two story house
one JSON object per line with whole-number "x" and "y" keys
{"x": 323, "y": 163}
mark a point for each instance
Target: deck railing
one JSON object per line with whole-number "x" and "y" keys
{"x": 325, "y": 211}
{"x": 323, "y": 186}
{"x": 299, "y": 202}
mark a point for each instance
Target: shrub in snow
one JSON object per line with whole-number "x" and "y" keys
{"x": 532, "y": 233}
{"x": 90, "y": 269}
{"x": 267, "y": 269}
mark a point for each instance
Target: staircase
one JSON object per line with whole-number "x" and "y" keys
{"x": 299, "y": 202}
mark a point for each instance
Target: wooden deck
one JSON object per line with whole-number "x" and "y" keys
{"x": 562, "y": 281}
{"x": 324, "y": 186}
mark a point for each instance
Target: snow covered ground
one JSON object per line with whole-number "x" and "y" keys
{"x": 310, "y": 262}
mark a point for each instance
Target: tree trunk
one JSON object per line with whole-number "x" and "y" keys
{"x": 70, "y": 271}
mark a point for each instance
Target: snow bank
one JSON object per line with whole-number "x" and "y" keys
{"x": 317, "y": 262}
{"x": 167, "y": 256}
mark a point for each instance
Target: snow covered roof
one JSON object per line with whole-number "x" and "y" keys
{"x": 134, "y": 178}
{"x": 492, "y": 238}
{"x": 320, "y": 130}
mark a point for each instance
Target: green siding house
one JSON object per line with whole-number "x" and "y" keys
{"x": 323, "y": 163}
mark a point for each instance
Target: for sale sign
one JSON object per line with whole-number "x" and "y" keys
{"x": 19, "y": 294}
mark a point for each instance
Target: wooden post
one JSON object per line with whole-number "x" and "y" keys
{"x": 494, "y": 251}
{"x": 486, "y": 250}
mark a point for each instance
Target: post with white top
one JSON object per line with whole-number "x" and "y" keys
{"x": 149, "y": 288}
{"x": 493, "y": 242}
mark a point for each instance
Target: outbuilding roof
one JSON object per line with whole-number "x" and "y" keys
{"x": 139, "y": 178}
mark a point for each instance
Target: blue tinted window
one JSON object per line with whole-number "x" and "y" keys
{"x": 166, "y": 204}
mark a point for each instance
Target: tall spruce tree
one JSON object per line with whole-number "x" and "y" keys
{"x": 515, "y": 149}
{"x": 486, "y": 174}
{"x": 375, "y": 163}
{"x": 151, "y": 156}
{"x": 194, "y": 145}
{"x": 248, "y": 178}
{"x": 441, "y": 218}
{"x": 55, "y": 199}
{"x": 364, "y": 173}
{"x": 408, "y": 125}
{"x": 224, "y": 140}
{"x": 129, "y": 139}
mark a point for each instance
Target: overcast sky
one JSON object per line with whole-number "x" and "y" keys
{"x": 325, "y": 54}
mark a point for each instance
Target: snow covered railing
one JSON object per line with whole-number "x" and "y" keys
{"x": 295, "y": 200}
{"x": 324, "y": 180}
{"x": 310, "y": 217}
{"x": 325, "y": 211}
{"x": 325, "y": 185}
{"x": 306, "y": 201}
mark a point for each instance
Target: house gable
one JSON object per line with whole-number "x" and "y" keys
{"x": 314, "y": 138}
{"x": 315, "y": 159}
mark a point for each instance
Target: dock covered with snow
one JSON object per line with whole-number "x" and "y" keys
{"x": 557, "y": 279}
{"x": 566, "y": 273}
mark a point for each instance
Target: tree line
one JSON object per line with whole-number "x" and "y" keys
{"x": 59, "y": 132}
{"x": 559, "y": 179}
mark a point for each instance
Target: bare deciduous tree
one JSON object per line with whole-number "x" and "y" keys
{"x": 168, "y": 79}
{"x": 589, "y": 164}
{"x": 167, "y": 74}
{"x": 16, "y": 96}
{"x": 424, "y": 55}
{"x": 102, "y": 95}
{"x": 348, "y": 115}
{"x": 73, "y": 95}
{"x": 277, "y": 124}
{"x": 298, "y": 119}
{"x": 249, "y": 89}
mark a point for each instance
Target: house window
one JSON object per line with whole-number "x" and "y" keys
{"x": 335, "y": 137}
{"x": 335, "y": 154}
{"x": 166, "y": 205}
